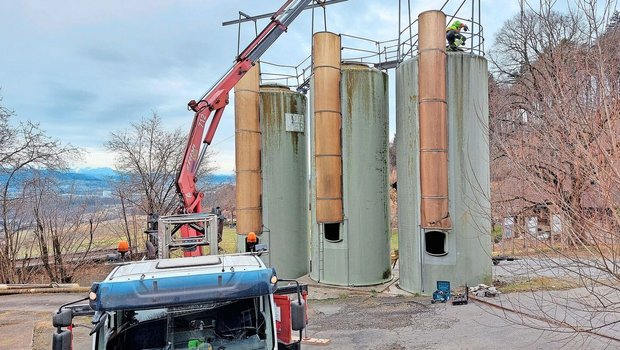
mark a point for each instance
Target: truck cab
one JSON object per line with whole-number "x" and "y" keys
{"x": 205, "y": 302}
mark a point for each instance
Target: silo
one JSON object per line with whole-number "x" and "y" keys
{"x": 459, "y": 252}
{"x": 356, "y": 251}
{"x": 285, "y": 180}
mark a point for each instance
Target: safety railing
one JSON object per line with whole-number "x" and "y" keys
{"x": 292, "y": 76}
{"x": 408, "y": 36}
{"x": 380, "y": 54}
{"x": 407, "y": 45}
{"x": 385, "y": 54}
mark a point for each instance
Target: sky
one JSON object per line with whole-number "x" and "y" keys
{"x": 84, "y": 69}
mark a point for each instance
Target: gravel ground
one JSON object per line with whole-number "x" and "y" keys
{"x": 401, "y": 322}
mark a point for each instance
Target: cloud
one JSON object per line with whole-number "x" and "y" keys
{"x": 103, "y": 55}
{"x": 62, "y": 97}
{"x": 65, "y": 14}
{"x": 85, "y": 69}
{"x": 95, "y": 157}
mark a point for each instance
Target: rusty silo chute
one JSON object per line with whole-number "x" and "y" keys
{"x": 433, "y": 121}
{"x": 328, "y": 124}
{"x": 248, "y": 153}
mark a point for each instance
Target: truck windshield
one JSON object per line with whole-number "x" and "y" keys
{"x": 244, "y": 324}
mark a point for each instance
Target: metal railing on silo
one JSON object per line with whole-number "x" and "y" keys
{"x": 379, "y": 54}
{"x": 386, "y": 54}
{"x": 407, "y": 40}
{"x": 291, "y": 76}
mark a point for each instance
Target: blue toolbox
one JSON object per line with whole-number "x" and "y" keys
{"x": 442, "y": 294}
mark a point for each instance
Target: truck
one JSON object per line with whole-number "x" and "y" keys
{"x": 196, "y": 301}
{"x": 206, "y": 302}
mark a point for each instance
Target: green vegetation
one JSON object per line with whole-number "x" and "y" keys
{"x": 394, "y": 239}
{"x": 229, "y": 240}
{"x": 538, "y": 284}
{"x": 497, "y": 233}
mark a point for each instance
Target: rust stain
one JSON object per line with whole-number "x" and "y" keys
{"x": 276, "y": 102}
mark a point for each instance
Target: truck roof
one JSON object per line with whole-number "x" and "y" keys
{"x": 181, "y": 281}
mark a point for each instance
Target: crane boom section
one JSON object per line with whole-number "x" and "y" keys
{"x": 216, "y": 99}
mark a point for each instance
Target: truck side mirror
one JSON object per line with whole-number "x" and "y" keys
{"x": 61, "y": 340}
{"x": 298, "y": 315}
{"x": 63, "y": 318}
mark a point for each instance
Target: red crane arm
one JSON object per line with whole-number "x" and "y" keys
{"x": 216, "y": 99}
{"x": 214, "y": 103}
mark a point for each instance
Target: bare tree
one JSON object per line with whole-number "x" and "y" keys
{"x": 555, "y": 121}
{"x": 23, "y": 147}
{"x": 148, "y": 159}
{"x": 393, "y": 182}
{"x": 526, "y": 37}
{"x": 224, "y": 196}
{"x": 65, "y": 228}
{"x": 127, "y": 214}
{"x": 555, "y": 99}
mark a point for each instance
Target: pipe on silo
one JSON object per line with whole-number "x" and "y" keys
{"x": 248, "y": 153}
{"x": 328, "y": 123}
{"x": 433, "y": 121}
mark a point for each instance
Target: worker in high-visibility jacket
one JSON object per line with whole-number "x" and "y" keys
{"x": 454, "y": 36}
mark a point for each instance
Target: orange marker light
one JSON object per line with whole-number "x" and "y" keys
{"x": 123, "y": 247}
{"x": 251, "y": 237}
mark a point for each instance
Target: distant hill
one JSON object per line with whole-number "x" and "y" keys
{"x": 68, "y": 182}
{"x": 93, "y": 181}
{"x": 218, "y": 179}
{"x": 96, "y": 172}
{"x": 106, "y": 173}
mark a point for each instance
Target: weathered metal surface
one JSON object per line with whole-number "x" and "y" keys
{"x": 247, "y": 154}
{"x": 327, "y": 120}
{"x": 285, "y": 180}
{"x": 470, "y": 191}
{"x": 361, "y": 255}
{"x": 431, "y": 30}
{"x": 408, "y": 175}
{"x": 468, "y": 244}
{"x": 433, "y": 129}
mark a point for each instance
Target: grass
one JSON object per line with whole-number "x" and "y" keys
{"x": 544, "y": 249}
{"x": 228, "y": 244}
{"x": 394, "y": 239}
{"x": 107, "y": 238}
{"x": 229, "y": 240}
{"x": 538, "y": 284}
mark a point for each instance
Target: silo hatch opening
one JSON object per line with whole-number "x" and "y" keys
{"x": 332, "y": 232}
{"x": 435, "y": 243}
